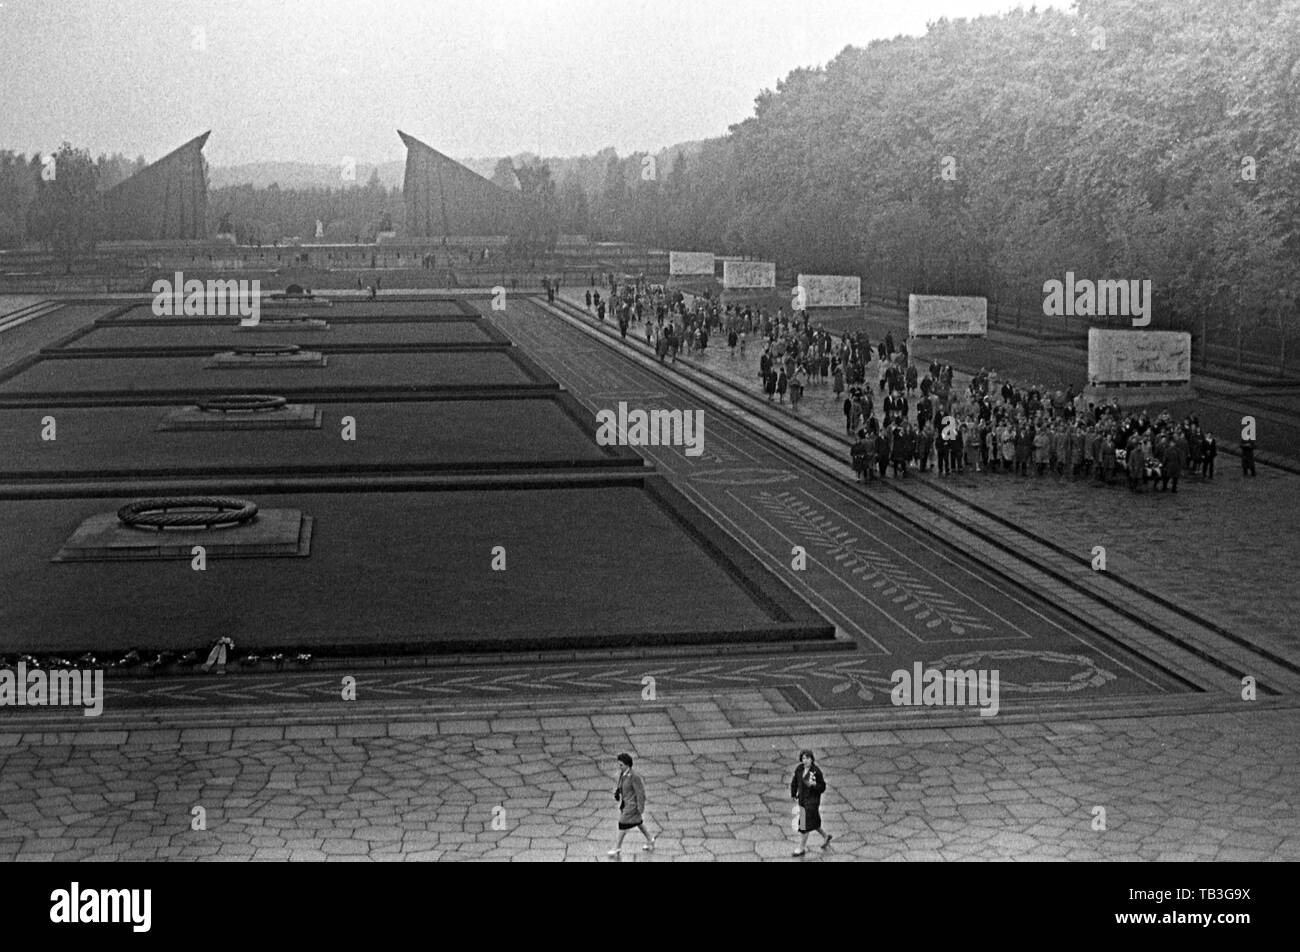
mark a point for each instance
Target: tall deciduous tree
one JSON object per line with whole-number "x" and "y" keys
{"x": 65, "y": 214}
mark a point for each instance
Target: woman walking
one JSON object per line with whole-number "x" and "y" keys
{"x": 630, "y": 794}
{"x": 807, "y": 788}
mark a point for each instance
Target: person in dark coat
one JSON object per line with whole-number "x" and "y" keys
{"x": 1209, "y": 450}
{"x": 882, "y": 450}
{"x": 807, "y": 787}
{"x": 1137, "y": 460}
{"x": 895, "y": 407}
{"x": 1247, "y": 457}
{"x": 860, "y": 454}
{"x": 1195, "y": 444}
{"x": 1024, "y": 449}
{"x": 1106, "y": 458}
{"x": 630, "y": 794}
{"x": 902, "y": 449}
{"x": 1171, "y": 465}
{"x": 926, "y": 446}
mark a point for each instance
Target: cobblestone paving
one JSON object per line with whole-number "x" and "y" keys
{"x": 1220, "y": 787}
{"x": 1224, "y": 549}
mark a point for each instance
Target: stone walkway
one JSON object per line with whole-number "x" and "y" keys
{"x": 1214, "y": 787}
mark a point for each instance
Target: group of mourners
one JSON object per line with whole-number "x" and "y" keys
{"x": 996, "y": 426}
{"x": 925, "y": 422}
{"x": 674, "y": 322}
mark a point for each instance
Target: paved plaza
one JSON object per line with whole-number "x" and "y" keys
{"x": 277, "y": 786}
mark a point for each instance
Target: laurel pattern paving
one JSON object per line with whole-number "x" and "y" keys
{"x": 822, "y": 676}
{"x": 889, "y": 579}
{"x": 457, "y": 683}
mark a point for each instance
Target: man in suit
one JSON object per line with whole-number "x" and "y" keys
{"x": 895, "y": 407}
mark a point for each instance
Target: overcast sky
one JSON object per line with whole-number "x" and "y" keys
{"x": 316, "y": 80}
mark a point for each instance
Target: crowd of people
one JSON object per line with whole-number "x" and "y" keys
{"x": 911, "y": 417}
{"x": 1024, "y": 430}
{"x": 676, "y": 322}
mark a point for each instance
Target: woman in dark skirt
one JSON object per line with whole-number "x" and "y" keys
{"x": 807, "y": 788}
{"x": 630, "y": 794}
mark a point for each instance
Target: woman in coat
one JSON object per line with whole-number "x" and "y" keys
{"x": 1042, "y": 450}
{"x": 1007, "y": 437}
{"x": 630, "y": 794}
{"x": 807, "y": 787}
{"x": 797, "y": 384}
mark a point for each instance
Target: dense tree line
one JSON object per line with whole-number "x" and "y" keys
{"x": 1127, "y": 139}
{"x": 266, "y": 215}
{"x": 22, "y": 218}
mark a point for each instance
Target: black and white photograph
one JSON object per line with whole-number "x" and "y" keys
{"x": 619, "y": 431}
